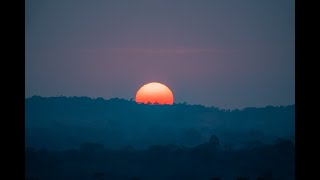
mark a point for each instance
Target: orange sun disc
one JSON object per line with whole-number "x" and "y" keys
{"x": 154, "y": 93}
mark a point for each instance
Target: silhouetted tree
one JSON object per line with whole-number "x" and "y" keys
{"x": 214, "y": 140}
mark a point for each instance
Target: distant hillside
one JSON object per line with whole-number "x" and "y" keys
{"x": 66, "y": 122}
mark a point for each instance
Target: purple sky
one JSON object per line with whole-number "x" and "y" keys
{"x": 226, "y": 53}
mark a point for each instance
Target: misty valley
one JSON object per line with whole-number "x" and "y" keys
{"x": 93, "y": 138}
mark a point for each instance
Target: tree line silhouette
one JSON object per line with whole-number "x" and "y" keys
{"x": 65, "y": 122}
{"x": 204, "y": 161}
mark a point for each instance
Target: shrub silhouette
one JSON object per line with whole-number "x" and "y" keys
{"x": 214, "y": 140}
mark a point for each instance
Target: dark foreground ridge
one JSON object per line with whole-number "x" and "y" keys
{"x": 207, "y": 161}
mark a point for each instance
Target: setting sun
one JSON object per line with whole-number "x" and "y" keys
{"x": 154, "y": 93}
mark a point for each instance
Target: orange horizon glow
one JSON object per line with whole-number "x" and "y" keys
{"x": 154, "y": 93}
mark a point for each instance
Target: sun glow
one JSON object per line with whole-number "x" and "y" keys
{"x": 154, "y": 93}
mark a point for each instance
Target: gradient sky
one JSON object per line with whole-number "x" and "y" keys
{"x": 226, "y": 53}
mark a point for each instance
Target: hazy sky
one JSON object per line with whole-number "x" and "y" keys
{"x": 226, "y": 53}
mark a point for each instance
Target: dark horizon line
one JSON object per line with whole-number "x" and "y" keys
{"x": 180, "y": 103}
